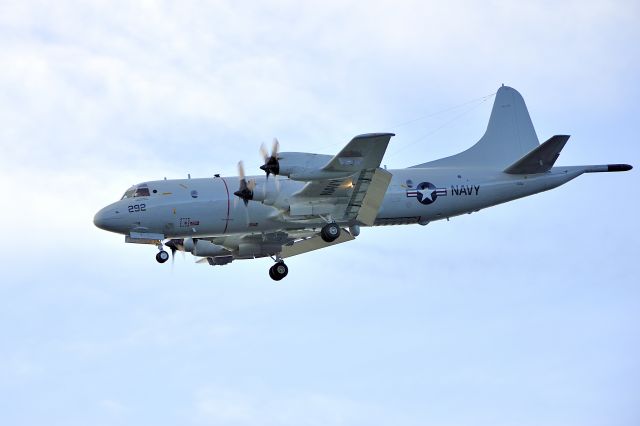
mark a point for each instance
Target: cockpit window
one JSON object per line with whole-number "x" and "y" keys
{"x": 139, "y": 191}
{"x": 142, "y": 191}
{"x": 129, "y": 193}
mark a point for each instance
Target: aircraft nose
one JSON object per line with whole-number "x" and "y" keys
{"x": 107, "y": 219}
{"x": 100, "y": 219}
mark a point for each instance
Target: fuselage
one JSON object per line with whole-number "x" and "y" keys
{"x": 207, "y": 207}
{"x": 320, "y": 200}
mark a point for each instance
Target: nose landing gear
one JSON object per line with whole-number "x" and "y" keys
{"x": 162, "y": 256}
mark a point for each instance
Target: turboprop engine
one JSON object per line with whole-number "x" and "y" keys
{"x": 305, "y": 166}
{"x": 302, "y": 166}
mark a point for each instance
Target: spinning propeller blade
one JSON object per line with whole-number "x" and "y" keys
{"x": 175, "y": 245}
{"x": 245, "y": 192}
{"x": 271, "y": 163}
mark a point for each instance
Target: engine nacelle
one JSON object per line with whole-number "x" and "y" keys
{"x": 204, "y": 248}
{"x": 306, "y": 166}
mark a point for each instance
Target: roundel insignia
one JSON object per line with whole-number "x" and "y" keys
{"x": 426, "y": 192}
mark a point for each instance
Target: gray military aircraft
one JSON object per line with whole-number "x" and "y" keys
{"x": 322, "y": 200}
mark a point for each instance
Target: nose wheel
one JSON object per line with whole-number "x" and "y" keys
{"x": 162, "y": 256}
{"x": 278, "y": 271}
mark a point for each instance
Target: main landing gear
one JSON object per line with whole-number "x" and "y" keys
{"x": 278, "y": 271}
{"x": 330, "y": 232}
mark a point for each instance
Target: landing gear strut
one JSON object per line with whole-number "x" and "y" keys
{"x": 278, "y": 271}
{"x": 330, "y": 232}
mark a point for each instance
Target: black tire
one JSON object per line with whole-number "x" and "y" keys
{"x": 281, "y": 269}
{"x": 278, "y": 271}
{"x": 162, "y": 256}
{"x": 330, "y": 232}
{"x": 272, "y": 275}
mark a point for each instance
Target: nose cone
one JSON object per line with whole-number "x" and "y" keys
{"x": 101, "y": 219}
{"x": 108, "y": 219}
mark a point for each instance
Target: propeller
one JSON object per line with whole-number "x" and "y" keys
{"x": 175, "y": 245}
{"x": 245, "y": 192}
{"x": 271, "y": 163}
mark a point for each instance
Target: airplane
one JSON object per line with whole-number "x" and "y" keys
{"x": 307, "y": 201}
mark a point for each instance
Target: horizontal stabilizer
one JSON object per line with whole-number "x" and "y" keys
{"x": 540, "y": 159}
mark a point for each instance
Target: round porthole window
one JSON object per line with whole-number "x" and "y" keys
{"x": 194, "y": 194}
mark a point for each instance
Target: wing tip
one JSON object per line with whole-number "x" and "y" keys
{"x": 374, "y": 135}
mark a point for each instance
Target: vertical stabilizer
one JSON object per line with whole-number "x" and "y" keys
{"x": 509, "y": 136}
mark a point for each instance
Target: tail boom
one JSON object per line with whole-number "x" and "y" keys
{"x": 604, "y": 168}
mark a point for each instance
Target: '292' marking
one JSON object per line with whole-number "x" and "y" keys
{"x": 137, "y": 208}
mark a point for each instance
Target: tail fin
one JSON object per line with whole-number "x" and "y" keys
{"x": 509, "y": 136}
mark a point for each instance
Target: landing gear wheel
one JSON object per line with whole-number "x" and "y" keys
{"x": 330, "y": 232}
{"x": 162, "y": 256}
{"x": 278, "y": 271}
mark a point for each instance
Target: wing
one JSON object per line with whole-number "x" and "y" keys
{"x": 284, "y": 244}
{"x": 356, "y": 198}
{"x": 315, "y": 242}
{"x": 363, "y": 152}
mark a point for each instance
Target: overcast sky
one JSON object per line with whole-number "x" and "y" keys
{"x": 523, "y": 314}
